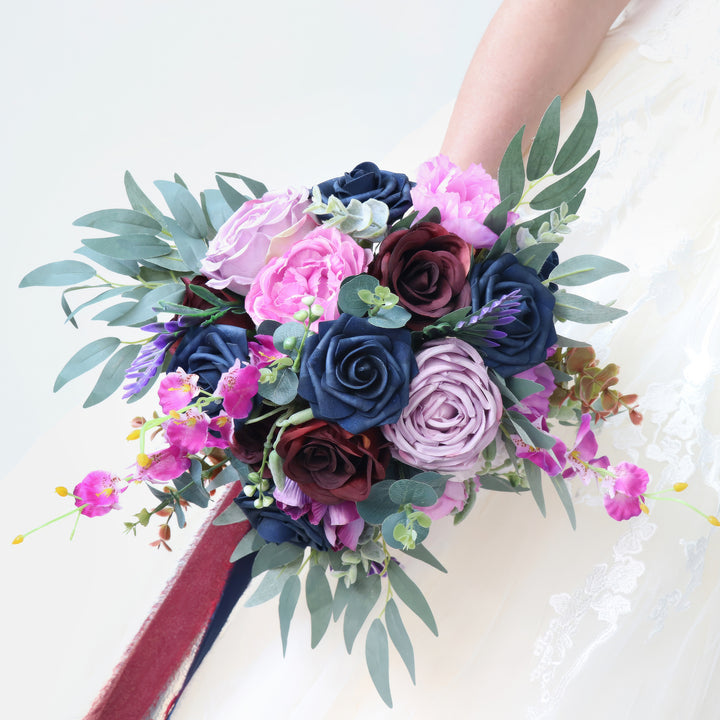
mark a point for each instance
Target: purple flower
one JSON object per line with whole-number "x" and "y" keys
{"x": 625, "y": 497}
{"x": 454, "y": 409}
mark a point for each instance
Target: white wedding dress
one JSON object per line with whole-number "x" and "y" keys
{"x": 536, "y": 621}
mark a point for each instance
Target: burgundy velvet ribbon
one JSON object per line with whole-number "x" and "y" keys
{"x": 147, "y": 679}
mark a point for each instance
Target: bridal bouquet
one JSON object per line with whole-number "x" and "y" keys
{"x": 358, "y": 359}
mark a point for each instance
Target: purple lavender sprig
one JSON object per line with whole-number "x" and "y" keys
{"x": 480, "y": 328}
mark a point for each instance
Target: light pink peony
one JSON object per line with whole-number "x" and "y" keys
{"x": 315, "y": 265}
{"x": 454, "y": 409}
{"x": 258, "y": 231}
{"x": 463, "y": 198}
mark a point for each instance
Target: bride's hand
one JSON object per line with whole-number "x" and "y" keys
{"x": 531, "y": 51}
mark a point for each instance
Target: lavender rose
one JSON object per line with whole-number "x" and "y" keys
{"x": 259, "y": 230}
{"x": 453, "y": 412}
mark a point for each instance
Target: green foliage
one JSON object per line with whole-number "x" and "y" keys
{"x": 56, "y": 274}
{"x": 185, "y": 208}
{"x": 511, "y": 173}
{"x": 411, "y": 595}
{"x": 579, "y": 309}
{"x": 564, "y": 494}
{"x": 399, "y": 636}
{"x": 232, "y": 197}
{"x": 420, "y": 552}
{"x": 319, "y": 602}
{"x": 112, "y": 375}
{"x": 120, "y": 222}
{"x": 580, "y": 139}
{"x": 534, "y": 256}
{"x": 286, "y": 607}
{"x": 229, "y": 516}
{"x": 378, "y": 505}
{"x": 497, "y": 219}
{"x": 272, "y": 555}
{"x": 257, "y": 188}
{"x": 85, "y": 359}
{"x": 583, "y": 269}
{"x": 542, "y": 152}
{"x": 498, "y": 484}
{"x": 377, "y": 658}
{"x": 250, "y": 543}
{"x": 362, "y": 599}
{"x": 534, "y": 480}
{"x": 567, "y": 186}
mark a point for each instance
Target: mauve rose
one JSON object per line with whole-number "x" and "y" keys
{"x": 464, "y": 199}
{"x": 454, "y": 409}
{"x": 426, "y": 267}
{"x": 314, "y": 265}
{"x": 330, "y": 464}
{"x": 365, "y": 182}
{"x": 259, "y": 230}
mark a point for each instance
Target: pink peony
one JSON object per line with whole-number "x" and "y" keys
{"x": 315, "y": 265}
{"x": 99, "y": 492}
{"x": 624, "y": 497}
{"x": 453, "y": 412}
{"x": 463, "y": 198}
{"x": 258, "y": 231}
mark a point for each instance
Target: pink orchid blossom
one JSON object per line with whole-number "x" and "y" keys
{"x": 537, "y": 405}
{"x": 220, "y": 432}
{"x": 581, "y": 460}
{"x": 624, "y": 498}
{"x": 263, "y": 351}
{"x": 188, "y": 431}
{"x": 99, "y": 492}
{"x": 166, "y": 464}
{"x": 177, "y": 389}
{"x": 237, "y": 387}
{"x": 552, "y": 460}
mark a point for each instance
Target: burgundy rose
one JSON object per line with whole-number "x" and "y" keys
{"x": 427, "y": 268}
{"x": 248, "y": 442}
{"x": 195, "y": 301}
{"x": 332, "y": 465}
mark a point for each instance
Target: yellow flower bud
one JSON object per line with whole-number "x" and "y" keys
{"x": 61, "y": 491}
{"x": 713, "y": 520}
{"x": 18, "y": 539}
{"x": 679, "y": 487}
{"x": 134, "y": 435}
{"x": 644, "y": 508}
{"x": 143, "y": 460}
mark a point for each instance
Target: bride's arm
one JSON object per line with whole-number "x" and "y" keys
{"x": 531, "y": 51}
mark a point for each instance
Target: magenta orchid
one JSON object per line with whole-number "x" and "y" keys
{"x": 263, "y": 351}
{"x": 238, "y": 387}
{"x": 177, "y": 390}
{"x": 166, "y": 464}
{"x": 581, "y": 460}
{"x": 624, "y": 499}
{"x": 98, "y": 493}
{"x": 188, "y": 431}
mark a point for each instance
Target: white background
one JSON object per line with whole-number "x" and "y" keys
{"x": 288, "y": 92}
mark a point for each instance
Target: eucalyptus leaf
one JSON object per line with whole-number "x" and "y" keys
{"x": 67, "y": 310}
{"x": 496, "y": 483}
{"x": 582, "y": 310}
{"x": 120, "y": 222}
{"x": 399, "y": 636}
{"x": 85, "y": 359}
{"x": 192, "y": 250}
{"x": 283, "y": 391}
{"x": 340, "y": 601}
{"x": 529, "y": 433}
{"x": 348, "y": 299}
{"x": 569, "y": 342}
{"x": 112, "y": 375}
{"x": 363, "y": 597}
{"x": 437, "y": 481}
{"x": 286, "y": 607}
{"x": 172, "y": 261}
{"x": 413, "y": 492}
{"x": 271, "y": 555}
{"x": 511, "y": 174}
{"x": 420, "y": 552}
{"x": 257, "y": 188}
{"x": 57, "y": 274}
{"x": 580, "y": 139}
{"x": 288, "y": 330}
{"x": 129, "y": 247}
{"x": 230, "y": 515}
{"x": 534, "y": 479}
{"x": 232, "y": 197}
{"x": 139, "y": 200}
{"x": 534, "y": 256}
{"x": 544, "y": 146}
{"x": 251, "y": 542}
{"x": 410, "y": 594}
{"x": 565, "y": 187}
{"x": 522, "y": 387}
{"x": 319, "y": 601}
{"x": 378, "y": 660}
{"x": 500, "y": 245}
{"x": 147, "y": 308}
{"x": 388, "y": 527}
{"x": 114, "y": 313}
{"x": 497, "y": 218}
{"x": 583, "y": 269}
{"x": 106, "y": 295}
{"x": 394, "y": 317}
{"x": 216, "y": 207}
{"x": 271, "y": 585}
{"x": 185, "y": 208}
{"x": 561, "y": 488}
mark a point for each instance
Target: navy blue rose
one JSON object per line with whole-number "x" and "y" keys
{"x": 208, "y": 352}
{"x": 366, "y": 181}
{"x": 532, "y": 331}
{"x": 273, "y": 525}
{"x": 548, "y": 266}
{"x": 356, "y": 374}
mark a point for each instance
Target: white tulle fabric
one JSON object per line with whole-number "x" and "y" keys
{"x": 538, "y": 621}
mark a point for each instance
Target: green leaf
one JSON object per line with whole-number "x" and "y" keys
{"x": 388, "y": 529}
{"x": 283, "y": 390}
{"x": 148, "y": 307}
{"x": 580, "y": 139}
{"x": 413, "y": 492}
{"x": 120, "y": 222}
{"x": 242, "y": 469}
{"x": 566, "y": 187}
{"x": 230, "y": 515}
{"x": 584, "y": 269}
{"x": 378, "y": 660}
{"x": 522, "y": 387}
{"x": 420, "y": 552}
{"x": 500, "y": 245}
{"x": 56, "y": 274}
{"x": 561, "y": 488}
{"x": 437, "y": 481}
{"x": 432, "y": 215}
{"x": 272, "y": 555}
{"x": 216, "y": 207}
{"x": 139, "y": 200}
{"x": 129, "y": 247}
{"x": 112, "y": 375}
{"x": 581, "y": 310}
{"x": 404, "y": 222}
{"x": 378, "y": 505}
{"x": 66, "y": 309}
{"x": 184, "y": 207}
{"x": 410, "y": 594}
{"x": 399, "y": 636}
{"x": 98, "y": 298}
{"x": 534, "y": 224}
{"x": 86, "y": 358}
{"x": 286, "y": 607}
{"x": 529, "y": 433}
{"x": 364, "y": 594}
{"x": 285, "y": 331}
{"x": 534, "y": 256}
{"x": 190, "y": 486}
{"x": 257, "y": 188}
{"x": 348, "y": 299}
{"x": 250, "y": 543}
{"x": 496, "y": 483}
{"x": 497, "y": 218}
{"x": 534, "y": 478}
{"x": 192, "y": 250}
{"x": 319, "y": 601}
{"x": 172, "y": 261}
{"x": 271, "y": 585}
{"x": 121, "y": 267}
{"x": 569, "y": 342}
{"x": 114, "y": 313}
{"x": 232, "y": 197}
{"x": 542, "y": 152}
{"x": 342, "y": 595}
{"x": 511, "y": 174}
{"x": 394, "y": 317}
